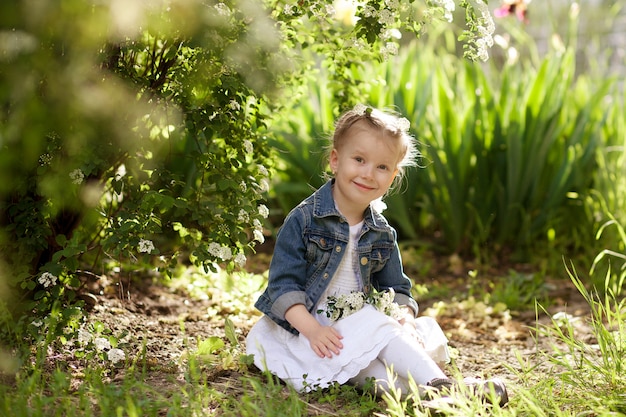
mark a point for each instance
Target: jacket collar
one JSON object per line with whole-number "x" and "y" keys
{"x": 324, "y": 206}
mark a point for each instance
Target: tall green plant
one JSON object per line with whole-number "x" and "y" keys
{"x": 508, "y": 153}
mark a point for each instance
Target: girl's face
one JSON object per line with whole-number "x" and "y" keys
{"x": 364, "y": 165}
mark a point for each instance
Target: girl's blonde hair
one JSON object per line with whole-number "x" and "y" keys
{"x": 389, "y": 123}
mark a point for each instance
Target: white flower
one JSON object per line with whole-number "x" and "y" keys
{"x": 102, "y": 343}
{"x": 116, "y": 355}
{"x": 263, "y": 171}
{"x": 240, "y": 260}
{"x": 386, "y": 17}
{"x": 84, "y": 336}
{"x": 77, "y": 176}
{"x": 288, "y": 9}
{"x": 47, "y": 279}
{"x": 360, "y": 109}
{"x": 120, "y": 173}
{"x": 247, "y": 145}
{"x": 390, "y": 48}
{"x": 243, "y": 186}
{"x": 264, "y": 185}
{"x": 222, "y": 9}
{"x": 222, "y": 252}
{"x": 146, "y": 246}
{"x": 234, "y": 105}
{"x": 45, "y": 159}
{"x": 243, "y": 216}
{"x": 264, "y": 211}
{"x": 37, "y": 323}
{"x": 258, "y": 235}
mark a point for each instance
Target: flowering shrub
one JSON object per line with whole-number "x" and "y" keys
{"x": 138, "y": 142}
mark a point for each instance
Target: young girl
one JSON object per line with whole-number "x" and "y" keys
{"x": 338, "y": 306}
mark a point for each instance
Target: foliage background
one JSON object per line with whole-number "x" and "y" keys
{"x": 135, "y": 136}
{"x": 140, "y": 138}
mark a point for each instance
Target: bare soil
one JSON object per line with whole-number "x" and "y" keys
{"x": 485, "y": 341}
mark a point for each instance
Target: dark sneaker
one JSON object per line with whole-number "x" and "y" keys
{"x": 492, "y": 391}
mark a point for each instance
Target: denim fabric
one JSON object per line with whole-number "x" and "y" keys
{"x": 309, "y": 247}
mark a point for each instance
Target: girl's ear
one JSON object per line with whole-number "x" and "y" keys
{"x": 333, "y": 160}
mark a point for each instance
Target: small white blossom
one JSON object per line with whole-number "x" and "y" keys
{"x": 263, "y": 171}
{"x": 390, "y": 48}
{"x": 37, "y": 323}
{"x": 146, "y": 246}
{"x": 116, "y": 355}
{"x": 243, "y": 216}
{"x": 369, "y": 11}
{"x": 289, "y": 9}
{"x": 120, "y": 173}
{"x": 247, "y": 145}
{"x": 359, "y": 109}
{"x": 258, "y": 235}
{"x": 264, "y": 211}
{"x": 222, "y": 252}
{"x": 47, "y": 279}
{"x": 102, "y": 343}
{"x": 386, "y": 17}
{"x": 234, "y": 105}
{"x": 240, "y": 260}
{"x": 222, "y": 9}
{"x": 392, "y": 33}
{"x": 264, "y": 185}
{"x": 77, "y": 176}
{"x": 45, "y": 159}
{"x": 84, "y": 336}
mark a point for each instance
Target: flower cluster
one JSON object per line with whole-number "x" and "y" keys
{"x": 484, "y": 28}
{"x": 342, "y": 306}
{"x": 146, "y": 246}
{"x": 47, "y": 280}
{"x": 77, "y": 176}
{"x": 101, "y": 344}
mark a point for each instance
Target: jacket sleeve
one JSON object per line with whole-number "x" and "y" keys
{"x": 287, "y": 273}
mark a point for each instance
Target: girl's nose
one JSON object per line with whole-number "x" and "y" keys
{"x": 368, "y": 171}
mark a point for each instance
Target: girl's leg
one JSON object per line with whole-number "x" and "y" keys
{"x": 408, "y": 358}
{"x": 377, "y": 370}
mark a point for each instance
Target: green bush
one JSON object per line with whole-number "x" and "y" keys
{"x": 510, "y": 155}
{"x": 137, "y": 139}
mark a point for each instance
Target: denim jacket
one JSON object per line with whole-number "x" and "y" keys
{"x": 310, "y": 246}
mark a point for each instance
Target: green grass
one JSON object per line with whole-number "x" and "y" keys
{"x": 572, "y": 377}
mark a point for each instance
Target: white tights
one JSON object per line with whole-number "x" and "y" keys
{"x": 407, "y": 357}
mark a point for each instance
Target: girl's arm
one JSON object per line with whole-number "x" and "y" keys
{"x": 324, "y": 340}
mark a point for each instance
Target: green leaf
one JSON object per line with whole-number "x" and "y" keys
{"x": 210, "y": 346}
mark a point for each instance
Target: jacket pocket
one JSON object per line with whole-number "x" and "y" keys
{"x": 318, "y": 252}
{"x": 379, "y": 256}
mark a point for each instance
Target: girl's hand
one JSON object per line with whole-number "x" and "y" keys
{"x": 408, "y": 322}
{"x": 325, "y": 341}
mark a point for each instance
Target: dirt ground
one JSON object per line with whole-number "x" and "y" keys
{"x": 485, "y": 341}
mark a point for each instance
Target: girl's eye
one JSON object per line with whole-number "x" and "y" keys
{"x": 358, "y": 159}
{"x": 383, "y": 167}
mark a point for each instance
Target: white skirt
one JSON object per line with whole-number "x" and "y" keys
{"x": 365, "y": 333}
